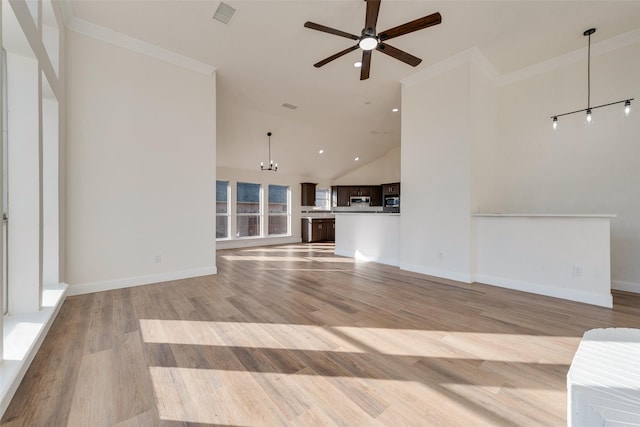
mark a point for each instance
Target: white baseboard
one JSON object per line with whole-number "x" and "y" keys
{"x": 21, "y": 348}
{"x": 605, "y": 300}
{"x": 367, "y": 258}
{"x": 437, "y": 272}
{"x": 249, "y": 243}
{"x": 620, "y": 285}
{"x": 107, "y": 285}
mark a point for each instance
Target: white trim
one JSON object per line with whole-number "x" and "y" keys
{"x": 122, "y": 40}
{"x": 597, "y": 49}
{"x": 437, "y": 272}
{"x": 470, "y": 56}
{"x": 20, "y": 349}
{"x": 366, "y": 257}
{"x": 261, "y": 241}
{"x": 475, "y": 56}
{"x": 535, "y": 288}
{"x": 526, "y": 215}
{"x": 621, "y": 285}
{"x": 107, "y": 285}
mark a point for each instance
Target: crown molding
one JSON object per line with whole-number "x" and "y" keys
{"x": 597, "y": 49}
{"x": 468, "y": 56}
{"x": 475, "y": 56}
{"x": 116, "y": 38}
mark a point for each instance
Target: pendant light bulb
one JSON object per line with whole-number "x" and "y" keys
{"x": 555, "y": 123}
{"x": 627, "y": 107}
{"x": 588, "y": 115}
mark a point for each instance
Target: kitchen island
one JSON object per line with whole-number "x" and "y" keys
{"x": 368, "y": 236}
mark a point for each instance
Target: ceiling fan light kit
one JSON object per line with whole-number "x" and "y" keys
{"x": 370, "y": 40}
{"x": 588, "y": 110}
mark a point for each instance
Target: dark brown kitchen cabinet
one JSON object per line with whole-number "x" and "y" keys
{"x": 318, "y": 230}
{"x": 340, "y": 195}
{"x": 376, "y": 195}
{"x": 392, "y": 189}
{"x": 308, "y": 194}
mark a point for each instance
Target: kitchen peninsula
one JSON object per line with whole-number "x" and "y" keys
{"x": 369, "y": 236}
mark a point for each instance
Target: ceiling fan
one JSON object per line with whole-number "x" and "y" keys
{"x": 370, "y": 39}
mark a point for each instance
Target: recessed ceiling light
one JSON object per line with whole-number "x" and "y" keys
{"x": 357, "y": 64}
{"x": 395, "y": 110}
{"x": 320, "y": 151}
{"x": 356, "y": 159}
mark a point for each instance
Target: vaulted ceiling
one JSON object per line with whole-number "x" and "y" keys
{"x": 264, "y": 58}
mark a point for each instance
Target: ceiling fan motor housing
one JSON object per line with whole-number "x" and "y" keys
{"x": 370, "y": 40}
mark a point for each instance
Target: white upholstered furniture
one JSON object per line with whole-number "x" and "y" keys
{"x": 603, "y": 382}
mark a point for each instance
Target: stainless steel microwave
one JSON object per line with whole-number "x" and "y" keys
{"x": 392, "y": 202}
{"x": 360, "y": 201}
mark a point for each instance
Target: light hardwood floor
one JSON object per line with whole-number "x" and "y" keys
{"x": 293, "y": 335}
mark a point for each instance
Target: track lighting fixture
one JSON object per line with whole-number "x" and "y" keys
{"x": 627, "y": 102}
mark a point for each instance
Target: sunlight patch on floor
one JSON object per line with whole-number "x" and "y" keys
{"x": 476, "y": 345}
{"x": 398, "y": 342}
{"x": 247, "y": 398}
{"x": 332, "y": 259}
{"x": 264, "y": 258}
{"x": 238, "y": 334}
{"x": 290, "y": 250}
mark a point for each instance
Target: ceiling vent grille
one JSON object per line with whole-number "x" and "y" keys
{"x": 224, "y": 13}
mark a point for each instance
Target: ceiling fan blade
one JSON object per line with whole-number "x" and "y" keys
{"x": 399, "y": 54}
{"x": 409, "y": 27}
{"x": 330, "y": 30}
{"x": 336, "y": 56}
{"x": 373, "y": 7}
{"x": 366, "y": 64}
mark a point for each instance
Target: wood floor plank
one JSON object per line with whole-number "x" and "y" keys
{"x": 294, "y": 335}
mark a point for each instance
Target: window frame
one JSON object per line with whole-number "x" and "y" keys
{"x": 286, "y": 214}
{"x": 226, "y": 214}
{"x": 327, "y": 204}
{"x": 259, "y": 214}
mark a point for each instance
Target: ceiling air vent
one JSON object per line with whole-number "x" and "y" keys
{"x": 224, "y": 13}
{"x": 289, "y": 106}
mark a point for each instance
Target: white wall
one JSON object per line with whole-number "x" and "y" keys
{"x": 476, "y": 144}
{"x": 141, "y": 159}
{"x": 436, "y": 165}
{"x": 380, "y": 171}
{"x": 577, "y": 168}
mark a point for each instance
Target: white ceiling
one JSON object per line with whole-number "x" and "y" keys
{"x": 265, "y": 58}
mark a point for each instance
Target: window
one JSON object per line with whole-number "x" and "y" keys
{"x": 248, "y": 210}
{"x": 222, "y": 210}
{"x": 278, "y": 210}
{"x": 323, "y": 198}
{"x": 5, "y": 181}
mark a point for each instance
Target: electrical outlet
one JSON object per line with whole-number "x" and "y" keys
{"x": 577, "y": 271}
{"x": 157, "y": 259}
{"x": 440, "y": 255}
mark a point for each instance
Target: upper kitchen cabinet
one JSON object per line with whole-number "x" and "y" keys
{"x": 341, "y": 194}
{"x": 308, "y": 194}
{"x": 392, "y": 189}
